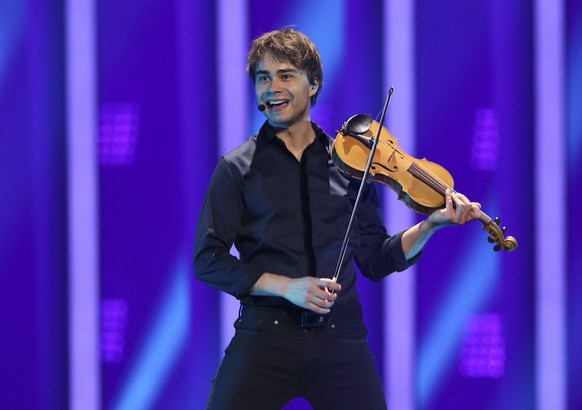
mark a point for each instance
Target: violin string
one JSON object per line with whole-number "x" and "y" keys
{"x": 434, "y": 182}
{"x": 439, "y": 185}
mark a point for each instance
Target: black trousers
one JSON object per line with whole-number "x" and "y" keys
{"x": 272, "y": 359}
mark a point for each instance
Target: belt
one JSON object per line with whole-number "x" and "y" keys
{"x": 304, "y": 318}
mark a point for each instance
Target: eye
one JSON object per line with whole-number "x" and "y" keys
{"x": 262, "y": 78}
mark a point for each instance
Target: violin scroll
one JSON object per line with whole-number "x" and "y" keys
{"x": 419, "y": 183}
{"x": 497, "y": 236}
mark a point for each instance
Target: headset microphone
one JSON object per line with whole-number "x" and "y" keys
{"x": 261, "y": 107}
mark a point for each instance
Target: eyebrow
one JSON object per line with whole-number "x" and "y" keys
{"x": 280, "y": 71}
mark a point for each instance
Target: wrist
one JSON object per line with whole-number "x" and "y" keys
{"x": 428, "y": 226}
{"x": 270, "y": 284}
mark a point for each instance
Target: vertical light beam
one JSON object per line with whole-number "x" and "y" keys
{"x": 162, "y": 346}
{"x": 399, "y": 289}
{"x": 82, "y": 202}
{"x": 550, "y": 200}
{"x": 468, "y": 293}
{"x": 232, "y": 46}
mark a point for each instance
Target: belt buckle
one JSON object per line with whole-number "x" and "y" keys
{"x": 311, "y": 319}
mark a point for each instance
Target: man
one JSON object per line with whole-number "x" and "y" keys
{"x": 285, "y": 206}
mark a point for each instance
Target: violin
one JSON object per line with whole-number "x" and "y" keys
{"x": 419, "y": 183}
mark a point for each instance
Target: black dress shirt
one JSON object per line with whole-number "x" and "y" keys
{"x": 289, "y": 217}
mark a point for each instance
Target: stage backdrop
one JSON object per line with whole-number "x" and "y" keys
{"x": 170, "y": 96}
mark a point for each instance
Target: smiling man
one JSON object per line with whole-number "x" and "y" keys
{"x": 285, "y": 206}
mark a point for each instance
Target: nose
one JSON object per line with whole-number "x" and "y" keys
{"x": 275, "y": 85}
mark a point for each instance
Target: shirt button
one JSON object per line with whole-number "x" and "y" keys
{"x": 276, "y": 322}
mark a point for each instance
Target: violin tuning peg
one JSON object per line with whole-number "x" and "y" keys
{"x": 490, "y": 239}
{"x": 497, "y": 248}
{"x": 503, "y": 229}
{"x": 496, "y": 220}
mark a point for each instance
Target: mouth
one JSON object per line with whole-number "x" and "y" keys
{"x": 277, "y": 105}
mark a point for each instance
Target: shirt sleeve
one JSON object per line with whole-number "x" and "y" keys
{"x": 380, "y": 254}
{"x": 216, "y": 231}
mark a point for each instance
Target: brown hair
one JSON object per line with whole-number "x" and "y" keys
{"x": 290, "y": 45}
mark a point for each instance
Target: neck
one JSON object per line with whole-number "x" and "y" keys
{"x": 297, "y": 137}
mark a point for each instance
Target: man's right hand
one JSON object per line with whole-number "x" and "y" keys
{"x": 315, "y": 294}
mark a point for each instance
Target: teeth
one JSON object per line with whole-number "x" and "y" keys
{"x": 273, "y": 103}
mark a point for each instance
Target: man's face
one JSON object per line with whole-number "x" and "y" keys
{"x": 284, "y": 90}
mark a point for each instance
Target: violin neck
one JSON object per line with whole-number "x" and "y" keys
{"x": 483, "y": 217}
{"x": 428, "y": 178}
{"x": 440, "y": 186}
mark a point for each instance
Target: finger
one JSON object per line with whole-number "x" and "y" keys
{"x": 448, "y": 199}
{"x": 330, "y": 285}
{"x": 318, "y": 307}
{"x": 467, "y": 214}
{"x": 323, "y": 294}
{"x": 462, "y": 197}
{"x": 323, "y": 303}
{"x": 476, "y": 210}
{"x": 474, "y": 206}
{"x": 473, "y": 211}
{"x": 468, "y": 206}
{"x": 458, "y": 206}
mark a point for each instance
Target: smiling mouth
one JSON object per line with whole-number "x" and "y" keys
{"x": 277, "y": 105}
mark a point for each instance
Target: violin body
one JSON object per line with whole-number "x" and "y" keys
{"x": 390, "y": 166}
{"x": 419, "y": 183}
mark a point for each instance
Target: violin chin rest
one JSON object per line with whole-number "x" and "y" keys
{"x": 358, "y": 124}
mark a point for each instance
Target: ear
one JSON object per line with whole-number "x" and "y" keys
{"x": 313, "y": 88}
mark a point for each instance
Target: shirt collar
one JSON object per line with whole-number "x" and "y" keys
{"x": 267, "y": 134}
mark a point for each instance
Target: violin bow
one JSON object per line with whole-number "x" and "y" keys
{"x": 365, "y": 176}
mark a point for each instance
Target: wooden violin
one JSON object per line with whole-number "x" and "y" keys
{"x": 419, "y": 183}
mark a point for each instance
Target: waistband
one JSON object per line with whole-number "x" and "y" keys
{"x": 304, "y": 318}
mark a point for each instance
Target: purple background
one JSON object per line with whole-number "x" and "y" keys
{"x": 159, "y": 137}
